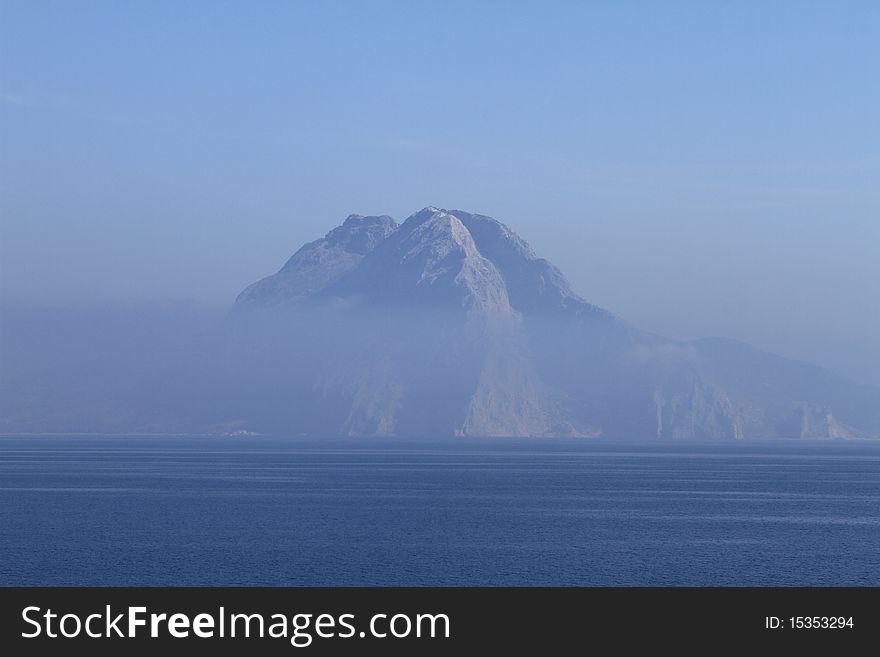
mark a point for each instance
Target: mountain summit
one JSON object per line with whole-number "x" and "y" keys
{"x": 436, "y": 255}
{"x": 450, "y": 324}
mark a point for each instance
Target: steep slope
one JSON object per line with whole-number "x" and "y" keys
{"x": 319, "y": 263}
{"x": 536, "y": 286}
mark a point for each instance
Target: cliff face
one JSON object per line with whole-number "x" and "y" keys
{"x": 449, "y": 324}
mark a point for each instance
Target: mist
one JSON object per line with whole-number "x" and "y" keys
{"x": 688, "y": 168}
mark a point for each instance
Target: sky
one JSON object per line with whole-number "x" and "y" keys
{"x": 698, "y": 168}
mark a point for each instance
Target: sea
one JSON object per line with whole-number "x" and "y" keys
{"x": 276, "y": 511}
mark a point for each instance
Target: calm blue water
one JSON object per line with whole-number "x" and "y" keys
{"x": 219, "y": 511}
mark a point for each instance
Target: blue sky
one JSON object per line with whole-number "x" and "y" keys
{"x": 701, "y": 168}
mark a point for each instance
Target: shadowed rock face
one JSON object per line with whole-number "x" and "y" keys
{"x": 318, "y": 264}
{"x": 449, "y": 324}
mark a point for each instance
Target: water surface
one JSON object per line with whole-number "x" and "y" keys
{"x": 272, "y": 511}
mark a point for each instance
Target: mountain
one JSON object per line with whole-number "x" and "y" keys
{"x": 446, "y": 325}
{"x": 449, "y": 324}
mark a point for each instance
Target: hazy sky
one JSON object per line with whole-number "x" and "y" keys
{"x": 701, "y": 168}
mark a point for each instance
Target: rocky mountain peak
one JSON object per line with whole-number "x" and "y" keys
{"x": 438, "y": 232}
{"x": 431, "y": 260}
{"x": 360, "y": 234}
{"x": 467, "y": 259}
